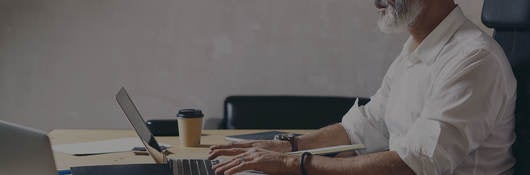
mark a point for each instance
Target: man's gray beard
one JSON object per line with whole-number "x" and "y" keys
{"x": 398, "y": 18}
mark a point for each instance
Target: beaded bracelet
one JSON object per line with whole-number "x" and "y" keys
{"x": 302, "y": 160}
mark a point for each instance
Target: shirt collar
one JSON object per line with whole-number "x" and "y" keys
{"x": 431, "y": 46}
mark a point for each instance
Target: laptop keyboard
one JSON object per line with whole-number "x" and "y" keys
{"x": 192, "y": 167}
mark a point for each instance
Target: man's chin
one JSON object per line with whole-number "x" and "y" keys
{"x": 389, "y": 23}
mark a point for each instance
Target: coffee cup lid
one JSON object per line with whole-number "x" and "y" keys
{"x": 190, "y": 113}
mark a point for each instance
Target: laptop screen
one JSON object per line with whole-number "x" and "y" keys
{"x": 138, "y": 123}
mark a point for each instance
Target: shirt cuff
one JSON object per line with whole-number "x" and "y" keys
{"x": 419, "y": 164}
{"x": 362, "y": 130}
{"x": 418, "y": 150}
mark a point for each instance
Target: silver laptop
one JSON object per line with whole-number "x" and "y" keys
{"x": 178, "y": 166}
{"x": 25, "y": 151}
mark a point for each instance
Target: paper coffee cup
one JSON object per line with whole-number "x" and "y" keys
{"x": 190, "y": 127}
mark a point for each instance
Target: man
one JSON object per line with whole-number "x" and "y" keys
{"x": 445, "y": 106}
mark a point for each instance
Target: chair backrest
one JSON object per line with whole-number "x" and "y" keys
{"x": 284, "y": 112}
{"x": 511, "y": 21}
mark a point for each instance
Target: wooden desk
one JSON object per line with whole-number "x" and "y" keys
{"x": 65, "y": 161}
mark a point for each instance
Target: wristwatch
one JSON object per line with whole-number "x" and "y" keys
{"x": 291, "y": 138}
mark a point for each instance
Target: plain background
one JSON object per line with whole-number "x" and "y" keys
{"x": 62, "y": 61}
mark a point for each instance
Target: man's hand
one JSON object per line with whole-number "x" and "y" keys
{"x": 233, "y": 149}
{"x": 259, "y": 159}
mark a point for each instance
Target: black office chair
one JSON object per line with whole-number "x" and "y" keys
{"x": 271, "y": 112}
{"x": 284, "y": 112}
{"x": 511, "y": 21}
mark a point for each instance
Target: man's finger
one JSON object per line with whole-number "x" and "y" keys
{"x": 232, "y": 145}
{"x": 220, "y": 168}
{"x": 238, "y": 158}
{"x": 226, "y": 152}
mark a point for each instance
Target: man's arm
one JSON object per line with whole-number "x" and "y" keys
{"x": 387, "y": 162}
{"x": 328, "y": 136}
{"x": 270, "y": 162}
{"x": 331, "y": 135}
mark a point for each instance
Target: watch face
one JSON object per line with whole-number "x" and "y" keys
{"x": 289, "y": 137}
{"x": 281, "y": 137}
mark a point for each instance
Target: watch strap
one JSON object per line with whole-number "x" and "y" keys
{"x": 293, "y": 140}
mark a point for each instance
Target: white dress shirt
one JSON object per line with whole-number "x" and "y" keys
{"x": 446, "y": 107}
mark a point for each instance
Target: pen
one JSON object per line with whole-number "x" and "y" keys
{"x": 64, "y": 172}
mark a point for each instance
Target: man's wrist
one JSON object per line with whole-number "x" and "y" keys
{"x": 292, "y": 139}
{"x": 293, "y": 165}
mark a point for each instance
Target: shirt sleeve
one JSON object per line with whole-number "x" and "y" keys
{"x": 458, "y": 115}
{"x": 365, "y": 124}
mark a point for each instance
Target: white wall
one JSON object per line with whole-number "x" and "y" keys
{"x": 61, "y": 61}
